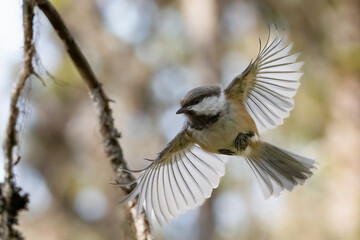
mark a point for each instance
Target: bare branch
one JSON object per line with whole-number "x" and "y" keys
{"x": 108, "y": 131}
{"x": 11, "y": 200}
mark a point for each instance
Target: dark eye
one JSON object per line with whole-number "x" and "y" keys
{"x": 196, "y": 101}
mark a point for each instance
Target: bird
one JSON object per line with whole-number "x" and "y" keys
{"x": 227, "y": 122}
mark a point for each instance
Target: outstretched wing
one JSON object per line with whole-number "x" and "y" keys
{"x": 180, "y": 178}
{"x": 268, "y": 84}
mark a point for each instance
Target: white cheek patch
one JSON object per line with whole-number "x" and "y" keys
{"x": 210, "y": 105}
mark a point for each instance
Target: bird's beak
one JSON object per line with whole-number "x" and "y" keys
{"x": 182, "y": 110}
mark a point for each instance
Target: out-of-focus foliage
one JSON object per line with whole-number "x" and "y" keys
{"x": 147, "y": 54}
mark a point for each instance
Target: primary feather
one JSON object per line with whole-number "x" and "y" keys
{"x": 268, "y": 84}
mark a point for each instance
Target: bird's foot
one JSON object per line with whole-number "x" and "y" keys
{"x": 242, "y": 140}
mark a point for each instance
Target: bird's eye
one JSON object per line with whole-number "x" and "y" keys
{"x": 196, "y": 100}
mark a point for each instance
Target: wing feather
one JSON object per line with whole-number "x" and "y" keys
{"x": 171, "y": 201}
{"x": 189, "y": 195}
{"x": 163, "y": 198}
{"x": 142, "y": 192}
{"x": 208, "y": 170}
{"x": 180, "y": 178}
{"x": 155, "y": 201}
{"x": 268, "y": 84}
{"x": 192, "y": 183}
{"x": 179, "y": 193}
{"x": 148, "y": 198}
{"x": 204, "y": 182}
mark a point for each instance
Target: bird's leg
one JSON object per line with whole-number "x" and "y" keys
{"x": 242, "y": 140}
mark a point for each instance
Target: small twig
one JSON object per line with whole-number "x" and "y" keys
{"x": 40, "y": 78}
{"x": 11, "y": 140}
{"x": 108, "y": 131}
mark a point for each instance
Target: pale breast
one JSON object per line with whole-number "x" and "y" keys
{"x": 220, "y": 136}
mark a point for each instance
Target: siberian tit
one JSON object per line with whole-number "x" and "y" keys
{"x": 227, "y": 122}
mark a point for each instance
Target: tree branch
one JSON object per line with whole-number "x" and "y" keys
{"x": 11, "y": 201}
{"x": 108, "y": 131}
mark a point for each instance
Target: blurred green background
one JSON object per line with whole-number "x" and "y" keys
{"x": 148, "y": 54}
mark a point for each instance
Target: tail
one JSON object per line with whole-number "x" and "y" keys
{"x": 277, "y": 169}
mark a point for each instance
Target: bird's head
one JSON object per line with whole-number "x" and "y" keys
{"x": 203, "y": 101}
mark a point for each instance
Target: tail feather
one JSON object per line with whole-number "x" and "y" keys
{"x": 277, "y": 169}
